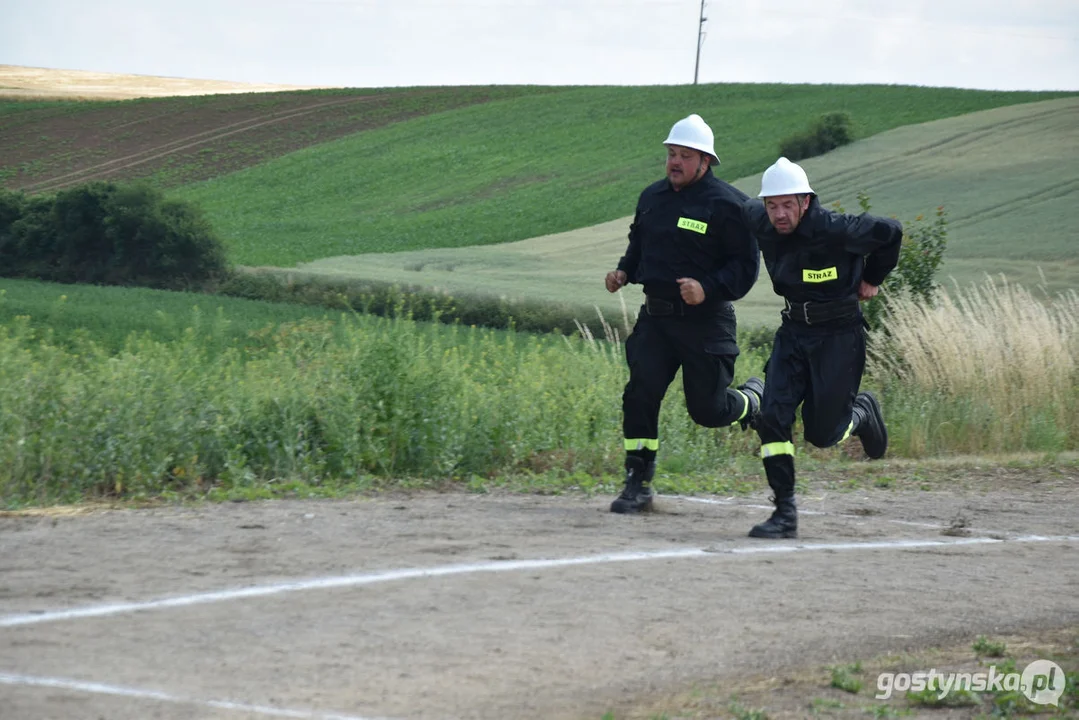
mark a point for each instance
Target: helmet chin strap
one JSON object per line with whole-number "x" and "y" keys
{"x": 702, "y": 168}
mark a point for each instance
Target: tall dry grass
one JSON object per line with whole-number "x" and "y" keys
{"x": 985, "y": 369}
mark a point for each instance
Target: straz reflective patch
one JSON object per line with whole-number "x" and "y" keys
{"x": 815, "y": 276}
{"x": 695, "y": 225}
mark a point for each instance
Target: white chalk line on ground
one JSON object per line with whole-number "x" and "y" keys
{"x": 498, "y": 566}
{"x": 849, "y": 516}
{"x": 136, "y": 693}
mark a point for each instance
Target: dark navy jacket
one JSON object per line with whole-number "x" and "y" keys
{"x": 828, "y": 254}
{"x": 698, "y": 232}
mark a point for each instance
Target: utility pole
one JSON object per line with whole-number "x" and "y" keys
{"x": 700, "y": 39}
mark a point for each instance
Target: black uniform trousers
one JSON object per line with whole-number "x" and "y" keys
{"x": 704, "y": 347}
{"x": 821, "y": 369}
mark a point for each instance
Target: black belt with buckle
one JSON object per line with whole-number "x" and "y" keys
{"x": 658, "y": 307}
{"x": 820, "y": 313}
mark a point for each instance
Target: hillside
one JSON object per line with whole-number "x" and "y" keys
{"x": 1005, "y": 177}
{"x": 523, "y": 167}
{"x": 333, "y": 172}
{"x": 445, "y": 186}
{"x": 49, "y": 145}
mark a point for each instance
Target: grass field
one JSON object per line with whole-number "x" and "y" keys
{"x": 496, "y": 190}
{"x": 243, "y": 395}
{"x": 223, "y": 399}
{"x": 998, "y": 162}
{"x": 525, "y": 167}
{"x": 49, "y": 145}
{"x": 104, "y": 314}
{"x": 164, "y": 399}
{"x": 1004, "y": 176}
{"x": 563, "y": 268}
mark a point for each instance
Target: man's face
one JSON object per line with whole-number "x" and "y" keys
{"x": 685, "y": 165}
{"x": 785, "y": 211}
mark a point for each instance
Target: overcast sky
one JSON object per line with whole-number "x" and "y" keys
{"x": 990, "y": 44}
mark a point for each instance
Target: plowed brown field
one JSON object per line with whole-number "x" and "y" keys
{"x": 182, "y": 131}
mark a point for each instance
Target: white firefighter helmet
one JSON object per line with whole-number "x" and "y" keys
{"x": 784, "y": 178}
{"x": 693, "y": 132}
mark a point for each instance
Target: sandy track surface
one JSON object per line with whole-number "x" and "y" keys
{"x": 500, "y": 606}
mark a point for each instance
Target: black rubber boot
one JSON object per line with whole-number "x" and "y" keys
{"x": 784, "y": 521}
{"x": 782, "y": 524}
{"x": 636, "y": 496}
{"x": 754, "y": 390}
{"x": 869, "y": 425}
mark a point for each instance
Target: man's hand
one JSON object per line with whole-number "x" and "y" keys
{"x": 692, "y": 292}
{"x": 615, "y": 280}
{"x": 867, "y": 291}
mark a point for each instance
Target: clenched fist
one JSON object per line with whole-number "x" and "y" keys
{"x": 691, "y": 290}
{"x": 615, "y": 280}
{"x": 867, "y": 291}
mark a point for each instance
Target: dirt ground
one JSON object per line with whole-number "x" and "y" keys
{"x": 449, "y": 605}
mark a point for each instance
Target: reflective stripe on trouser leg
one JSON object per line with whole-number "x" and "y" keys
{"x": 850, "y": 429}
{"x": 780, "y": 472}
{"x": 745, "y": 410}
{"x": 776, "y": 448}
{"x": 642, "y": 444}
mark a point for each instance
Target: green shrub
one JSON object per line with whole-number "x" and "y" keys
{"x": 107, "y": 234}
{"x": 984, "y": 646}
{"x": 924, "y": 243}
{"x": 830, "y": 132}
{"x": 11, "y": 209}
{"x": 385, "y": 299}
{"x": 915, "y": 277}
{"x": 844, "y": 677}
{"x": 756, "y": 337}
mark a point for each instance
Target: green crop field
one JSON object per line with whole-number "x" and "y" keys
{"x": 241, "y": 394}
{"x": 236, "y": 401}
{"x": 108, "y": 315}
{"x": 1005, "y": 176}
{"x": 498, "y": 190}
{"x": 524, "y": 167}
{"x": 170, "y": 141}
{"x": 111, "y": 317}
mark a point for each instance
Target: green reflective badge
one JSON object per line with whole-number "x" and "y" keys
{"x": 695, "y": 225}
{"x": 818, "y": 276}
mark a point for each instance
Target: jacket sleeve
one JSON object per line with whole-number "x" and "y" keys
{"x": 878, "y": 240}
{"x": 628, "y": 263}
{"x": 740, "y": 263}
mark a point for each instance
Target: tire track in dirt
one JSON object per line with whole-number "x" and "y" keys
{"x": 101, "y": 170}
